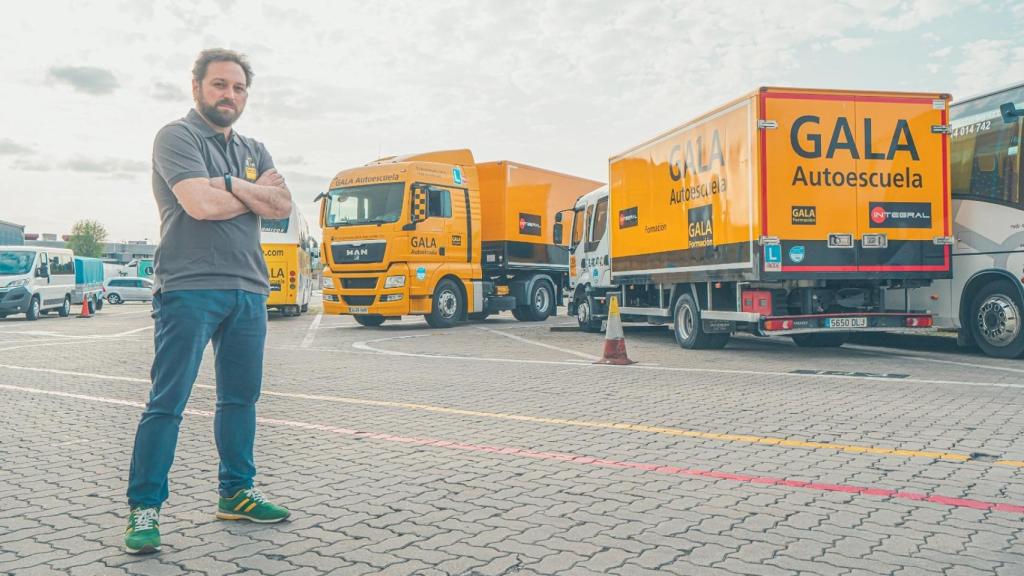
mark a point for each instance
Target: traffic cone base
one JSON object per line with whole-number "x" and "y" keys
{"x": 614, "y": 339}
{"x": 85, "y": 309}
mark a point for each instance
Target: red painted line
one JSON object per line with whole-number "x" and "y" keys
{"x": 664, "y": 469}
{"x": 583, "y": 460}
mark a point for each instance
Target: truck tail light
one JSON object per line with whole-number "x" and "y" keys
{"x": 772, "y": 325}
{"x": 919, "y": 322}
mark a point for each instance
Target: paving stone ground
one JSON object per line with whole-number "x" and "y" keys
{"x": 498, "y": 448}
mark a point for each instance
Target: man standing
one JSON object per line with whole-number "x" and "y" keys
{"x": 212, "y": 185}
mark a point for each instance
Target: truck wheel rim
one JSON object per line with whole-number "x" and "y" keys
{"x": 447, "y": 303}
{"x": 998, "y": 320}
{"x": 35, "y": 307}
{"x": 67, "y": 305}
{"x": 583, "y": 312}
{"x": 541, "y": 301}
{"x": 684, "y": 320}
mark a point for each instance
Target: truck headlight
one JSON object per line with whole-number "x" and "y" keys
{"x": 16, "y": 283}
{"x": 394, "y": 282}
{"x": 391, "y": 297}
{"x": 329, "y": 282}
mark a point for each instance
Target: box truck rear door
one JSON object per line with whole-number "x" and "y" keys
{"x": 808, "y": 202}
{"x": 903, "y": 196}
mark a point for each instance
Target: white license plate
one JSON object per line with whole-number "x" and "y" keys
{"x": 358, "y": 309}
{"x": 275, "y": 287}
{"x": 846, "y": 322}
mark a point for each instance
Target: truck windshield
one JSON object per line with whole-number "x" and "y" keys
{"x": 372, "y": 204}
{"x": 12, "y": 263}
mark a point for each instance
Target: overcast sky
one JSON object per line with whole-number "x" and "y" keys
{"x": 559, "y": 84}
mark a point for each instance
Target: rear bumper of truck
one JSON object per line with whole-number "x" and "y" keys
{"x": 846, "y": 322}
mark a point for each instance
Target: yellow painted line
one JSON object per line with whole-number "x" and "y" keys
{"x": 748, "y": 438}
{"x": 1014, "y": 463}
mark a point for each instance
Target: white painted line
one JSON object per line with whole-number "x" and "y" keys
{"x": 922, "y": 358}
{"x": 311, "y": 333}
{"x": 366, "y": 346}
{"x": 541, "y": 344}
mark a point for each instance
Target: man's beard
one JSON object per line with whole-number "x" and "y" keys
{"x": 222, "y": 118}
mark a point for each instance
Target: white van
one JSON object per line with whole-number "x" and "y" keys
{"x": 35, "y": 280}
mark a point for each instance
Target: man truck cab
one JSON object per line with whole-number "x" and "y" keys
{"x": 35, "y": 280}
{"x": 441, "y": 235}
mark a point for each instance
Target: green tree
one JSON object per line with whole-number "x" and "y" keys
{"x": 87, "y": 237}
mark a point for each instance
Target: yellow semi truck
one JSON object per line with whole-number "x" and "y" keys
{"x": 439, "y": 235}
{"x": 784, "y": 212}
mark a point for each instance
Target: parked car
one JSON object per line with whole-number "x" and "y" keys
{"x": 129, "y": 289}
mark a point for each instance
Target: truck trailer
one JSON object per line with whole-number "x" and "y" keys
{"x": 439, "y": 235}
{"x": 784, "y": 212}
{"x": 88, "y": 283}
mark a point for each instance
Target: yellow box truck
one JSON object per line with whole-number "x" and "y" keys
{"x": 785, "y": 212}
{"x": 438, "y": 235}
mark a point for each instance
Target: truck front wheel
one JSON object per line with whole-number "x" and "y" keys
{"x": 689, "y": 330}
{"x": 821, "y": 339}
{"x": 447, "y": 307}
{"x": 585, "y": 315}
{"x": 996, "y": 320}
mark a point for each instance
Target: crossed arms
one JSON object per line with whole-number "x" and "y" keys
{"x": 208, "y": 198}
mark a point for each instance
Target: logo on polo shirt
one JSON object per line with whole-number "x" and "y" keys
{"x": 250, "y": 169}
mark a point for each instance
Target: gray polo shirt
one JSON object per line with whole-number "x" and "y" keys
{"x": 206, "y": 254}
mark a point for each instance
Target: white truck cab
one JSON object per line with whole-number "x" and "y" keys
{"x": 590, "y": 276}
{"x": 35, "y": 280}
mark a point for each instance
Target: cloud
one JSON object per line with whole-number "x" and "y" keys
{"x": 30, "y": 165}
{"x": 986, "y": 64}
{"x": 87, "y": 79}
{"x": 9, "y": 147}
{"x": 290, "y": 160}
{"x": 104, "y": 165}
{"x": 851, "y": 45}
{"x": 168, "y": 92}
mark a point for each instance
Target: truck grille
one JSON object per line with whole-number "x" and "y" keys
{"x": 358, "y": 300}
{"x": 358, "y": 252}
{"x": 359, "y": 283}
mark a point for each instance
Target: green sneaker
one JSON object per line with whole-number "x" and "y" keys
{"x": 250, "y": 504}
{"x": 143, "y": 533}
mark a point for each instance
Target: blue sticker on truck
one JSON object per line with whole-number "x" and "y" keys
{"x": 796, "y": 254}
{"x": 773, "y": 257}
{"x": 421, "y": 273}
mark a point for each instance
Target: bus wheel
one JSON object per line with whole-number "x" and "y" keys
{"x": 821, "y": 339}
{"x": 447, "y": 306}
{"x": 369, "y": 319}
{"x": 996, "y": 320}
{"x": 688, "y": 329}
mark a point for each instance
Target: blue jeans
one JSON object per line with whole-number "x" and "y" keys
{"x": 186, "y": 321}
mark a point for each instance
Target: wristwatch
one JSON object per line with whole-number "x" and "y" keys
{"x": 227, "y": 182}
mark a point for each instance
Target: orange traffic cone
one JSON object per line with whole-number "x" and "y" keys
{"x": 614, "y": 340}
{"x": 85, "y": 309}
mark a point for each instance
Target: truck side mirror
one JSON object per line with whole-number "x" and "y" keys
{"x": 1009, "y": 112}
{"x": 558, "y": 229}
{"x": 558, "y": 217}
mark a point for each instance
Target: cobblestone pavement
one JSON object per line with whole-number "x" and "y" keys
{"x": 498, "y": 448}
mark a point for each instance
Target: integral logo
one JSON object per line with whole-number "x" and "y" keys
{"x": 804, "y": 215}
{"x": 628, "y": 218}
{"x": 529, "y": 224}
{"x": 700, "y": 228}
{"x": 900, "y": 214}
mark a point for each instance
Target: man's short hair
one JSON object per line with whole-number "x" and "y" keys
{"x": 220, "y": 55}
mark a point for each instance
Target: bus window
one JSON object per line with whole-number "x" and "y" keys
{"x": 985, "y": 153}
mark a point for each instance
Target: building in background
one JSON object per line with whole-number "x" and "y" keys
{"x": 117, "y": 253}
{"x": 11, "y": 234}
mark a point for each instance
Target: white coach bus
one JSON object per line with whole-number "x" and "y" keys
{"x": 984, "y": 300}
